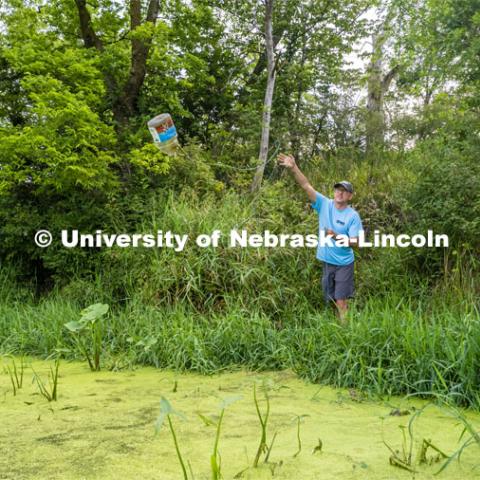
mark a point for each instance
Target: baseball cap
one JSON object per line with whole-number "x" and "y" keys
{"x": 346, "y": 185}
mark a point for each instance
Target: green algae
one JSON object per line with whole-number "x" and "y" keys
{"x": 103, "y": 427}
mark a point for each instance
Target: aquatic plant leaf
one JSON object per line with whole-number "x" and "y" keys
{"x": 165, "y": 410}
{"x": 229, "y": 401}
{"x": 299, "y": 418}
{"x": 146, "y": 343}
{"x": 74, "y": 326}
{"x": 165, "y": 406}
{"x": 93, "y": 312}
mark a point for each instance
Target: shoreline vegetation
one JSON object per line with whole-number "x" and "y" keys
{"x": 391, "y": 346}
{"x": 413, "y": 328}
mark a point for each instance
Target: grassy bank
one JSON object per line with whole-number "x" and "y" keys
{"x": 390, "y": 346}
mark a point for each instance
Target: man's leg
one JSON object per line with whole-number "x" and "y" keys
{"x": 344, "y": 289}
{"x": 342, "y": 307}
{"x": 328, "y": 284}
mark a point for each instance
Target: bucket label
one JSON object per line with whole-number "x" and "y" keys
{"x": 167, "y": 134}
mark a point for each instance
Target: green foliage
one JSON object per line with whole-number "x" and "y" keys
{"x": 57, "y": 153}
{"x": 151, "y": 160}
{"x": 442, "y": 194}
{"x": 392, "y": 345}
{"x": 90, "y": 322}
{"x": 444, "y": 197}
{"x": 206, "y": 277}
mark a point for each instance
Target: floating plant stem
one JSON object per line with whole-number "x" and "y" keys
{"x": 177, "y": 448}
{"x": 262, "y": 447}
{"x": 299, "y": 440}
{"x": 267, "y": 456}
{"x": 166, "y": 411}
{"x": 298, "y": 419}
{"x": 215, "y": 457}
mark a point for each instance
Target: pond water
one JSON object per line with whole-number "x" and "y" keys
{"x": 103, "y": 427}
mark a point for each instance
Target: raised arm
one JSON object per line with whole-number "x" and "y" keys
{"x": 288, "y": 161}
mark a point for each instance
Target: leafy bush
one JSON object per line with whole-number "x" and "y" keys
{"x": 444, "y": 195}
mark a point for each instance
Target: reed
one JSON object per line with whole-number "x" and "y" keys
{"x": 16, "y": 375}
{"x": 405, "y": 458}
{"x": 49, "y": 389}
{"x": 469, "y": 436}
{"x": 393, "y": 344}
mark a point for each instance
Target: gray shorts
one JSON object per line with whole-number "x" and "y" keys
{"x": 337, "y": 281}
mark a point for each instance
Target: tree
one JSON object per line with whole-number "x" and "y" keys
{"x": 125, "y": 104}
{"x": 267, "y": 103}
{"x": 378, "y": 85}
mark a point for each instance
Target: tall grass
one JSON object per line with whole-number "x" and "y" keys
{"x": 390, "y": 346}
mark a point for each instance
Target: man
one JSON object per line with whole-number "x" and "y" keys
{"x": 335, "y": 217}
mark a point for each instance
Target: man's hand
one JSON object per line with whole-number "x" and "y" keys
{"x": 352, "y": 241}
{"x": 286, "y": 160}
{"x": 333, "y": 234}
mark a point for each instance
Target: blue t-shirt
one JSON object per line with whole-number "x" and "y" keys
{"x": 344, "y": 222}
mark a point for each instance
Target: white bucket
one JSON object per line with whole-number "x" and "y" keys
{"x": 164, "y": 133}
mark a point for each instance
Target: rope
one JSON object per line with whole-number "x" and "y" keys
{"x": 277, "y": 148}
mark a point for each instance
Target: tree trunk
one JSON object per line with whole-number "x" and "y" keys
{"x": 375, "y": 115}
{"x": 267, "y": 103}
{"x": 124, "y": 105}
{"x": 128, "y": 102}
{"x": 294, "y": 123}
{"x": 90, "y": 38}
{"x": 316, "y": 135}
{"x": 378, "y": 85}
